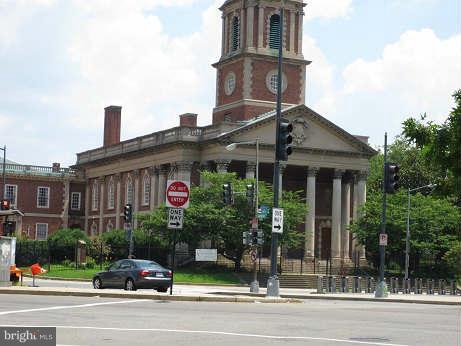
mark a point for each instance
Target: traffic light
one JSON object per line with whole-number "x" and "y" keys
{"x": 285, "y": 139}
{"x": 5, "y": 204}
{"x": 128, "y": 213}
{"x": 391, "y": 177}
{"x": 250, "y": 194}
{"x": 227, "y": 193}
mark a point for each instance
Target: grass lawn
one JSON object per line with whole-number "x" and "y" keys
{"x": 181, "y": 275}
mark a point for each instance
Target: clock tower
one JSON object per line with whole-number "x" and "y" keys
{"x": 246, "y": 81}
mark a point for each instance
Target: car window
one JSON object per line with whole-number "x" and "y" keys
{"x": 126, "y": 265}
{"x": 114, "y": 266}
{"x": 148, "y": 264}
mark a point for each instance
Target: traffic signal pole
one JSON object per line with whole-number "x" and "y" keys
{"x": 381, "y": 288}
{"x": 273, "y": 286}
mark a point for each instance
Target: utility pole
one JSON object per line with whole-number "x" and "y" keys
{"x": 273, "y": 286}
{"x": 381, "y": 288}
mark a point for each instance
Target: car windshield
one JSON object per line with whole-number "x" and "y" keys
{"x": 148, "y": 264}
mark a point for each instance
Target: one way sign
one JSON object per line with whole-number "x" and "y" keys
{"x": 175, "y": 218}
{"x": 277, "y": 220}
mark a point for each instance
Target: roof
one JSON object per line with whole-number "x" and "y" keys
{"x": 270, "y": 116}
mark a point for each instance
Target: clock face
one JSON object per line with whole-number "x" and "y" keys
{"x": 229, "y": 83}
{"x": 272, "y": 81}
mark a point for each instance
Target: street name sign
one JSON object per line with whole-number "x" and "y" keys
{"x": 277, "y": 220}
{"x": 177, "y": 194}
{"x": 175, "y": 218}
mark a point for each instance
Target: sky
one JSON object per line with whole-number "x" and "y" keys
{"x": 374, "y": 64}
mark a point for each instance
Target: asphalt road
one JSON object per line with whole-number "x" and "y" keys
{"x": 96, "y": 321}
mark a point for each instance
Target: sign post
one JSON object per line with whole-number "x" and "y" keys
{"x": 277, "y": 220}
{"x": 177, "y": 199}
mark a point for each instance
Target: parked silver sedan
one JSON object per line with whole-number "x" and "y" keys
{"x": 132, "y": 274}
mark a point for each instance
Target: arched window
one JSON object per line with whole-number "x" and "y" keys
{"x": 235, "y": 34}
{"x": 110, "y": 195}
{"x": 146, "y": 189}
{"x": 274, "y": 32}
{"x": 95, "y": 196}
{"x": 129, "y": 191}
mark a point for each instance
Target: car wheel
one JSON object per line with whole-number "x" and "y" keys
{"x": 162, "y": 289}
{"x": 129, "y": 285}
{"x": 97, "y": 283}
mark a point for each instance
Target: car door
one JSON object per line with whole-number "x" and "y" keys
{"x": 109, "y": 277}
{"x": 122, "y": 273}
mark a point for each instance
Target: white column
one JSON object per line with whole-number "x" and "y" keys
{"x": 336, "y": 215}
{"x": 309, "y": 228}
{"x": 101, "y": 205}
{"x": 345, "y": 218}
{"x": 118, "y": 199}
{"x": 250, "y": 23}
{"x": 162, "y": 179}
{"x": 87, "y": 205}
{"x": 204, "y": 166}
{"x": 250, "y": 172}
{"x": 292, "y": 31}
{"x": 153, "y": 187}
{"x": 300, "y": 32}
{"x": 361, "y": 199}
{"x": 260, "y": 26}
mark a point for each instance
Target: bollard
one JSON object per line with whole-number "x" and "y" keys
{"x": 406, "y": 286}
{"x": 442, "y": 287}
{"x": 328, "y": 284}
{"x": 344, "y": 284}
{"x": 333, "y": 284}
{"x": 453, "y": 287}
{"x": 368, "y": 283}
{"x": 430, "y": 286}
{"x": 355, "y": 284}
{"x": 418, "y": 286}
{"x": 320, "y": 284}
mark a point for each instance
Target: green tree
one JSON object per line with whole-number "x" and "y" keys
{"x": 441, "y": 146}
{"x": 207, "y": 218}
{"x": 434, "y": 229}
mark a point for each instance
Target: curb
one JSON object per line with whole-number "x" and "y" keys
{"x": 361, "y": 299}
{"x": 191, "y": 298}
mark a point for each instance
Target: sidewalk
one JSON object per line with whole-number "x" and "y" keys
{"x": 216, "y": 294}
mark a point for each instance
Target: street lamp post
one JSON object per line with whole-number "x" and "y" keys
{"x": 407, "y": 240}
{"x": 254, "y": 286}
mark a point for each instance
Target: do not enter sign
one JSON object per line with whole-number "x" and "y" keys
{"x": 177, "y": 194}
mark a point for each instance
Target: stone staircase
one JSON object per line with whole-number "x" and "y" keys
{"x": 298, "y": 281}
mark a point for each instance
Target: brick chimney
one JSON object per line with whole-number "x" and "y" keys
{"x": 56, "y": 167}
{"x": 112, "y": 121}
{"x": 188, "y": 119}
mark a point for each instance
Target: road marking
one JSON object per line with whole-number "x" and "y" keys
{"x": 183, "y": 331}
{"x": 61, "y": 307}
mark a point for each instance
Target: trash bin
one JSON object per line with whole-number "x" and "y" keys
{"x": 442, "y": 284}
{"x": 430, "y": 286}
{"x": 344, "y": 284}
{"x": 418, "y": 286}
{"x": 406, "y": 286}
{"x": 332, "y": 284}
{"x": 356, "y": 287}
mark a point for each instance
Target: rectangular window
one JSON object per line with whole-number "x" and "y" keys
{"x": 41, "y": 231}
{"x": 75, "y": 201}
{"x": 43, "y": 197}
{"x": 11, "y": 193}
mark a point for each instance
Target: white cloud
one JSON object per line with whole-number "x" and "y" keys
{"x": 420, "y": 70}
{"x": 328, "y": 9}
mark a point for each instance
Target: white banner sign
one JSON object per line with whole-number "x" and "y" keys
{"x": 206, "y": 255}
{"x": 277, "y": 220}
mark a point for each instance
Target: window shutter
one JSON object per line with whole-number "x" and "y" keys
{"x": 274, "y": 33}
{"x": 235, "y": 34}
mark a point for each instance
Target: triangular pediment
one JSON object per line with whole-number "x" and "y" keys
{"x": 310, "y": 131}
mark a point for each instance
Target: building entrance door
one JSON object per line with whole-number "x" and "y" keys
{"x": 325, "y": 252}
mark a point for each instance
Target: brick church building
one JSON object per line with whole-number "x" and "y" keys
{"x": 329, "y": 164}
